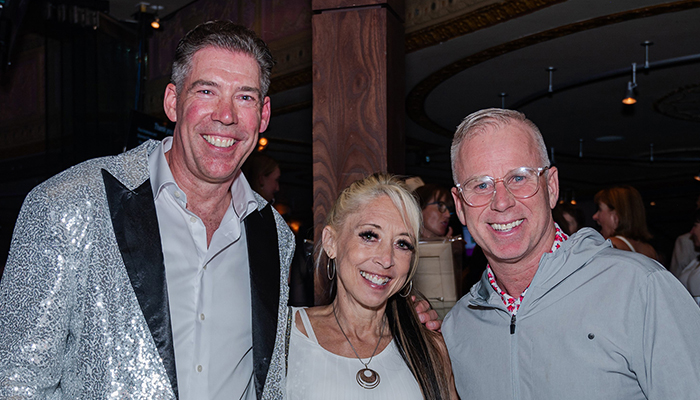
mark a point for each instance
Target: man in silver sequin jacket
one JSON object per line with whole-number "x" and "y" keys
{"x": 85, "y": 308}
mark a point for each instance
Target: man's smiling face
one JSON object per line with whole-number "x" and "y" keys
{"x": 509, "y": 230}
{"x": 219, "y": 112}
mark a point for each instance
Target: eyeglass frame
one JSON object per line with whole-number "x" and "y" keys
{"x": 540, "y": 171}
{"x": 444, "y": 206}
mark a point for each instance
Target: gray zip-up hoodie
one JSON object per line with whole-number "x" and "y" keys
{"x": 595, "y": 323}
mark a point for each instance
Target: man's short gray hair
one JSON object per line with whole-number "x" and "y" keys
{"x": 224, "y": 35}
{"x": 494, "y": 118}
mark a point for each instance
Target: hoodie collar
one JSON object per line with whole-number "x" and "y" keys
{"x": 565, "y": 258}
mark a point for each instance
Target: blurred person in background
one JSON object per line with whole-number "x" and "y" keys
{"x": 689, "y": 275}
{"x": 569, "y": 218}
{"x": 263, "y": 173}
{"x": 684, "y": 251}
{"x": 436, "y": 204}
{"x": 622, "y": 219}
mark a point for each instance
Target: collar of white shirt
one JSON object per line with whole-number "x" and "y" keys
{"x": 242, "y": 196}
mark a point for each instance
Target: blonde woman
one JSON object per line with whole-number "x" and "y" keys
{"x": 368, "y": 343}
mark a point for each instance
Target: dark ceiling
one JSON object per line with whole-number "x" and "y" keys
{"x": 597, "y": 141}
{"x": 506, "y": 47}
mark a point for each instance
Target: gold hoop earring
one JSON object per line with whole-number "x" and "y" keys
{"x": 410, "y": 288}
{"x": 330, "y": 274}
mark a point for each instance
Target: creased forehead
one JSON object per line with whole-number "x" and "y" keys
{"x": 497, "y": 149}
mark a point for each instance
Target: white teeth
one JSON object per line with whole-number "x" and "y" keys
{"x": 218, "y": 142}
{"x": 506, "y": 227}
{"x": 376, "y": 279}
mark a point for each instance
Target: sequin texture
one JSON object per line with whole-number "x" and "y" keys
{"x": 70, "y": 323}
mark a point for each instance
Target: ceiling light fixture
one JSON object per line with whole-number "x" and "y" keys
{"x": 580, "y": 148}
{"x": 551, "y": 72}
{"x": 629, "y": 96}
{"x": 155, "y": 24}
{"x": 697, "y": 177}
{"x": 503, "y": 95}
{"x": 646, "y": 45}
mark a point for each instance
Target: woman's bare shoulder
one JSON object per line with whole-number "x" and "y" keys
{"x": 648, "y": 250}
{"x": 619, "y": 243}
{"x": 314, "y": 313}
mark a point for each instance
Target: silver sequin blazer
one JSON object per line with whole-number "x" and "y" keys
{"x": 83, "y": 300}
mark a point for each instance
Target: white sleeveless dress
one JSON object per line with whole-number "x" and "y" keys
{"x": 316, "y": 373}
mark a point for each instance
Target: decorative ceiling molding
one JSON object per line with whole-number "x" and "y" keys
{"x": 471, "y": 21}
{"x": 291, "y": 80}
{"x": 425, "y": 13}
{"x": 295, "y": 54}
{"x": 415, "y": 101}
{"x": 292, "y": 54}
{"x": 683, "y": 103}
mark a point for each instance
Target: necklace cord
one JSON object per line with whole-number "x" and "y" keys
{"x": 381, "y": 333}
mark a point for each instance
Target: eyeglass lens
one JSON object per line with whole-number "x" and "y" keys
{"x": 521, "y": 183}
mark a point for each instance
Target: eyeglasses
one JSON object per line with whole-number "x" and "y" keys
{"x": 442, "y": 207}
{"x": 521, "y": 182}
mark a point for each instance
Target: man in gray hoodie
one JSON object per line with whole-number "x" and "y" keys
{"x": 555, "y": 317}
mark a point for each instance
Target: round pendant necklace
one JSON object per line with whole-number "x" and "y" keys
{"x": 366, "y": 377}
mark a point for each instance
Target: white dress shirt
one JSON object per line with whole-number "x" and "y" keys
{"x": 208, "y": 289}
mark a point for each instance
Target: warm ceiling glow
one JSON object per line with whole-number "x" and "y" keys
{"x": 573, "y": 202}
{"x": 653, "y": 203}
{"x": 262, "y": 141}
{"x": 155, "y": 24}
{"x": 629, "y": 101}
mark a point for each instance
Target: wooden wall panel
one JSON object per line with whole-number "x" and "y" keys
{"x": 357, "y": 101}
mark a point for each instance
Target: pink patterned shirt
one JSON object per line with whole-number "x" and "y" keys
{"x": 512, "y": 304}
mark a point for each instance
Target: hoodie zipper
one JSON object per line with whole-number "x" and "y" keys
{"x": 512, "y": 324}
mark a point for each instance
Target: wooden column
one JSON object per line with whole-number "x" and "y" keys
{"x": 358, "y": 98}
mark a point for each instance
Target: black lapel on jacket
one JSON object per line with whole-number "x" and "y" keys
{"x": 264, "y": 260}
{"x": 136, "y": 228}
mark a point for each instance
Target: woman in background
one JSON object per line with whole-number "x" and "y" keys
{"x": 368, "y": 343}
{"x": 622, "y": 219}
{"x": 435, "y": 202}
{"x": 569, "y": 218}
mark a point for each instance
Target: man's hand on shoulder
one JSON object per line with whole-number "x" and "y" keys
{"x": 427, "y": 315}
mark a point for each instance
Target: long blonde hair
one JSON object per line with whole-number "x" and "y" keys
{"x": 417, "y": 345}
